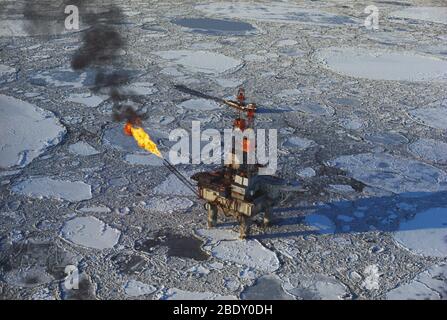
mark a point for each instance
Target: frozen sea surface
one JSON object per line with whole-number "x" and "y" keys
{"x": 26, "y": 132}
{"x": 134, "y": 288}
{"x": 398, "y": 175}
{"x": 280, "y": 12}
{"x": 429, "y": 14}
{"x": 45, "y": 187}
{"x": 206, "y": 62}
{"x": 82, "y": 148}
{"x": 225, "y": 245}
{"x": 90, "y": 232}
{"x": 379, "y": 64}
{"x": 178, "y": 294}
{"x": 315, "y": 287}
{"x": 7, "y": 74}
{"x": 425, "y": 234}
{"x": 435, "y": 117}
{"x": 430, "y": 150}
{"x": 428, "y": 285}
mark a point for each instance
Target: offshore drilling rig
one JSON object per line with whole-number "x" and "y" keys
{"x": 237, "y": 189}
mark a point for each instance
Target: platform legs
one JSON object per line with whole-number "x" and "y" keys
{"x": 212, "y": 215}
{"x": 244, "y": 226}
{"x": 267, "y": 217}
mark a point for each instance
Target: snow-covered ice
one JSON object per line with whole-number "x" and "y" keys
{"x": 430, "y": 284}
{"x": 307, "y": 173}
{"x": 430, "y": 150}
{"x": 315, "y": 287}
{"x": 168, "y": 204}
{"x": 320, "y": 224}
{"x": 82, "y": 148}
{"x": 90, "y": 232}
{"x": 225, "y": 245}
{"x": 87, "y": 99}
{"x": 199, "y": 105}
{"x": 26, "y": 132}
{"x": 7, "y": 74}
{"x": 279, "y": 12}
{"x": 380, "y": 64}
{"x": 425, "y": 234}
{"x": 141, "y": 88}
{"x": 172, "y": 187}
{"x": 95, "y": 209}
{"x": 178, "y": 294}
{"x": 434, "y": 117}
{"x": 46, "y": 187}
{"x": 394, "y": 174}
{"x": 206, "y": 62}
{"x": 298, "y": 143}
{"x": 134, "y": 288}
{"x": 430, "y": 14}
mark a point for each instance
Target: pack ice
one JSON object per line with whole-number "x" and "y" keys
{"x": 7, "y": 74}
{"x": 380, "y": 64}
{"x": 430, "y": 14}
{"x": 201, "y": 61}
{"x": 25, "y": 132}
{"x": 274, "y": 12}
{"x": 225, "y": 245}
{"x": 45, "y": 187}
{"x": 425, "y": 234}
{"x": 90, "y": 232}
{"x": 391, "y": 173}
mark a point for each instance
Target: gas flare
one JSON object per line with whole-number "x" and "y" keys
{"x": 142, "y": 138}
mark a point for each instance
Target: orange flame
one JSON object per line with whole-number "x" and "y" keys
{"x": 142, "y": 138}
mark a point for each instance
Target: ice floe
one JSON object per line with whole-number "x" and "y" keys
{"x": 63, "y": 78}
{"x": 45, "y": 187}
{"x": 207, "y": 62}
{"x": 82, "y": 149}
{"x": 95, "y": 209}
{"x": 7, "y": 74}
{"x": 391, "y": 173}
{"x": 144, "y": 160}
{"x": 172, "y": 187}
{"x": 280, "y": 12}
{"x": 178, "y": 294}
{"x": 216, "y": 27}
{"x": 26, "y": 132}
{"x": 87, "y": 99}
{"x": 168, "y": 204}
{"x": 428, "y": 285}
{"x": 307, "y": 173}
{"x": 299, "y": 143}
{"x": 225, "y": 245}
{"x": 430, "y": 150}
{"x": 320, "y": 224}
{"x": 134, "y": 288}
{"x": 380, "y": 64}
{"x": 434, "y": 117}
{"x": 430, "y": 14}
{"x": 199, "y": 105}
{"x": 266, "y": 288}
{"x": 425, "y": 234}
{"x": 313, "y": 108}
{"x": 141, "y": 88}
{"x": 90, "y": 232}
{"x": 387, "y": 138}
{"x": 315, "y": 287}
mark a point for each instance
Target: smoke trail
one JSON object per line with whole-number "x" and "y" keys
{"x": 102, "y": 45}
